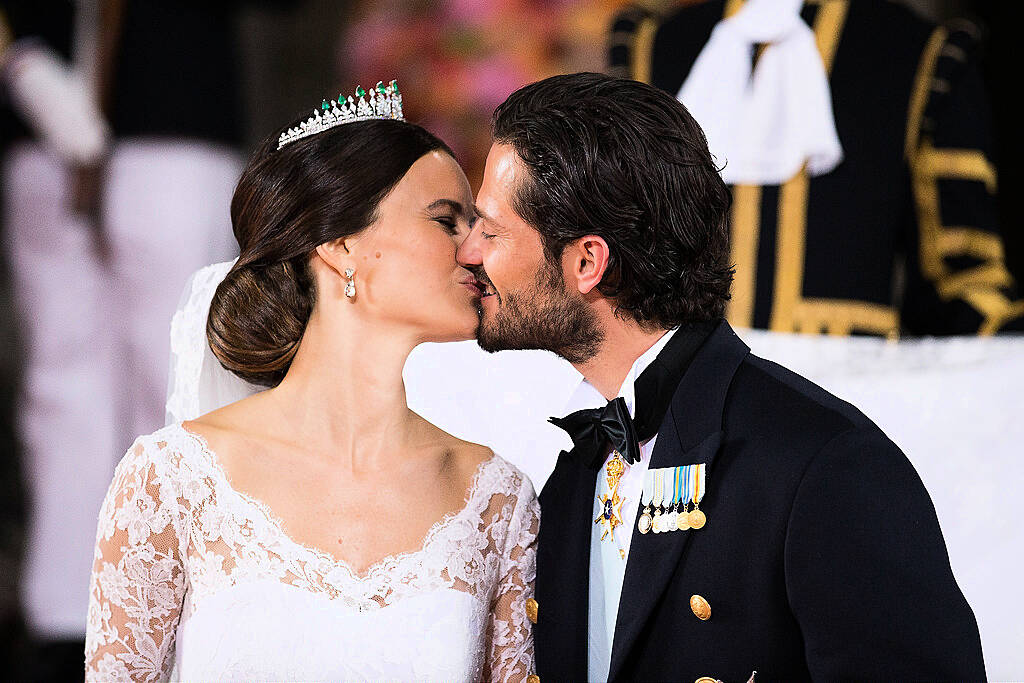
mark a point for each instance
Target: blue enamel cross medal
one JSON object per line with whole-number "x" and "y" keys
{"x": 611, "y": 502}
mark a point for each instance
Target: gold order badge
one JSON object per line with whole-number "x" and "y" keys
{"x": 611, "y": 503}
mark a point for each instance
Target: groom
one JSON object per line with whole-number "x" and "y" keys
{"x": 816, "y": 554}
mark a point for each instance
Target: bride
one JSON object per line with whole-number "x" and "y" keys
{"x": 319, "y": 529}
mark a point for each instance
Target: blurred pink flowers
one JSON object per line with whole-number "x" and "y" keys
{"x": 455, "y": 61}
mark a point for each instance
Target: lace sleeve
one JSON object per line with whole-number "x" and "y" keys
{"x": 511, "y": 651}
{"x": 137, "y": 584}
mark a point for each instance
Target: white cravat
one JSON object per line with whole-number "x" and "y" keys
{"x": 607, "y": 566}
{"x": 764, "y": 126}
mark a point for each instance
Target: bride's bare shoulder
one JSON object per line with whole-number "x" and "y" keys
{"x": 465, "y": 456}
{"x": 222, "y": 428}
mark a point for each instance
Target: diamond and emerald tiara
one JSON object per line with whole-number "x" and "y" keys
{"x": 383, "y": 102}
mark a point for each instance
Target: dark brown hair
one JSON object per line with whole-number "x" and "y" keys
{"x": 287, "y": 202}
{"x": 625, "y": 161}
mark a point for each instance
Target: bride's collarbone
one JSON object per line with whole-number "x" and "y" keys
{"x": 358, "y": 518}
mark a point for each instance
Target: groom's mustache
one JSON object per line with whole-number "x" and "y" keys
{"x": 485, "y": 282}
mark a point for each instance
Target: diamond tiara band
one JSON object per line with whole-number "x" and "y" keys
{"x": 382, "y": 102}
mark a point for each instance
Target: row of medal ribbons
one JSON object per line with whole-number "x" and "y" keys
{"x": 670, "y": 491}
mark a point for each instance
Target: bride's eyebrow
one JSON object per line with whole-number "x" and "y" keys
{"x": 455, "y": 206}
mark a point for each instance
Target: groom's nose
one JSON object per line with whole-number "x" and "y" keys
{"x": 470, "y": 252}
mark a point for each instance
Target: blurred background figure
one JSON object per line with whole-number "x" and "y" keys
{"x": 65, "y": 411}
{"x": 901, "y": 235}
{"x": 124, "y": 128}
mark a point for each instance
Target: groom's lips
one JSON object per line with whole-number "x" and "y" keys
{"x": 474, "y": 286}
{"x": 483, "y": 283}
{"x": 479, "y": 287}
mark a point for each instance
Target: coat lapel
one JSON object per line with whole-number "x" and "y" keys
{"x": 563, "y": 570}
{"x": 691, "y": 432}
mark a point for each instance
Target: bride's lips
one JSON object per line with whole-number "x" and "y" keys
{"x": 474, "y": 285}
{"x": 478, "y": 287}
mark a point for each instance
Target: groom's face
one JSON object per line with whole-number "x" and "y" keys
{"x": 526, "y": 304}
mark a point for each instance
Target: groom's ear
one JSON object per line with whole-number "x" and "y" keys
{"x": 585, "y": 261}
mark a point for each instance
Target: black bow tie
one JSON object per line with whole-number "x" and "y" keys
{"x": 592, "y": 429}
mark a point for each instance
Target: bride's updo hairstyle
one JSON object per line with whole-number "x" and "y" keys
{"x": 289, "y": 201}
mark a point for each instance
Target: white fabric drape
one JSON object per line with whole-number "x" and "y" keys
{"x": 763, "y": 123}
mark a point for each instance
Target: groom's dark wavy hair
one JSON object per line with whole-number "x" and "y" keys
{"x": 625, "y": 161}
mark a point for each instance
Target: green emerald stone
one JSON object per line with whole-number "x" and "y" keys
{"x": 360, "y": 92}
{"x": 324, "y": 105}
{"x": 394, "y": 86}
{"x": 380, "y": 87}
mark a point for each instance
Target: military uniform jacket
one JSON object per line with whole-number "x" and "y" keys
{"x": 821, "y": 557}
{"x": 902, "y": 236}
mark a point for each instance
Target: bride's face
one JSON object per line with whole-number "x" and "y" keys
{"x": 406, "y": 273}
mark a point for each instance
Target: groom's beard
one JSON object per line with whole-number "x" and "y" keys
{"x": 543, "y": 317}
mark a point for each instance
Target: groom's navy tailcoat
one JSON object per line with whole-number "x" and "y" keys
{"x": 821, "y": 557}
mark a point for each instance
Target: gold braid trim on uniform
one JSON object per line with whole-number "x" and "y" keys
{"x": 965, "y": 164}
{"x": 790, "y": 251}
{"x": 922, "y": 85}
{"x": 841, "y": 317}
{"x": 970, "y": 242}
{"x": 997, "y": 308}
{"x": 746, "y": 221}
{"x": 790, "y": 310}
{"x": 978, "y": 287}
{"x": 6, "y": 36}
{"x": 828, "y": 27}
{"x": 745, "y": 235}
{"x": 643, "y": 46}
{"x": 732, "y": 7}
{"x": 987, "y": 276}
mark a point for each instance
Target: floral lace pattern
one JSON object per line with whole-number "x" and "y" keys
{"x": 173, "y": 534}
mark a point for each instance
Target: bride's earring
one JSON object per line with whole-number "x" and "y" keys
{"x": 350, "y": 286}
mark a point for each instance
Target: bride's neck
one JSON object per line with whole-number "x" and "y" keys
{"x": 345, "y": 390}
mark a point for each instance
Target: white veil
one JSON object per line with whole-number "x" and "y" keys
{"x": 198, "y": 383}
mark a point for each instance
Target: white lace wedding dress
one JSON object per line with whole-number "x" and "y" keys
{"x": 195, "y": 581}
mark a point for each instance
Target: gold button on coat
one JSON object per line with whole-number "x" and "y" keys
{"x": 707, "y": 679}
{"x": 533, "y": 678}
{"x": 701, "y": 608}
{"x": 531, "y": 610}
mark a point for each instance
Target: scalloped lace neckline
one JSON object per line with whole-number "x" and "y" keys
{"x": 378, "y": 566}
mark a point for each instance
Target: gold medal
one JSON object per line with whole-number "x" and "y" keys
{"x": 656, "y": 521}
{"x": 683, "y": 520}
{"x": 643, "y": 524}
{"x": 697, "y": 518}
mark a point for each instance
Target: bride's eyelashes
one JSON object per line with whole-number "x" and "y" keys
{"x": 449, "y": 224}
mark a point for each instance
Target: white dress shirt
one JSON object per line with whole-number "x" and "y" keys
{"x": 607, "y": 564}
